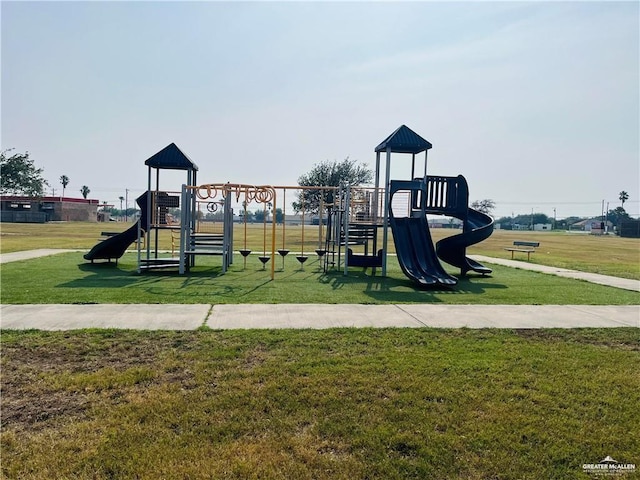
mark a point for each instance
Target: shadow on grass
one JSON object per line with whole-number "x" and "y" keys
{"x": 197, "y": 283}
{"x": 208, "y": 284}
{"x": 102, "y": 275}
{"x": 112, "y": 275}
{"x": 402, "y": 290}
{"x": 471, "y": 283}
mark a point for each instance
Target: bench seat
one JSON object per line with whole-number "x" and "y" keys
{"x": 523, "y": 247}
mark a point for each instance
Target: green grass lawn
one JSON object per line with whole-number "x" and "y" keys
{"x": 608, "y": 255}
{"x": 332, "y": 404}
{"x": 67, "y": 278}
{"x": 308, "y": 404}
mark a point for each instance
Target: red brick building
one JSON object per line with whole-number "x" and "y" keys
{"x": 47, "y": 209}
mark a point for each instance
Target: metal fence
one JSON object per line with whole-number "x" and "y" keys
{"x": 23, "y": 217}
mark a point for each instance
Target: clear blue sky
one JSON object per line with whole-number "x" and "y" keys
{"x": 537, "y": 104}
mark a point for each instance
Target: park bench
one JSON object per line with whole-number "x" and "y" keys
{"x": 524, "y": 247}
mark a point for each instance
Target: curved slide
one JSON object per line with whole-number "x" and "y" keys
{"x": 113, "y": 247}
{"x": 477, "y": 227}
{"x": 417, "y": 257}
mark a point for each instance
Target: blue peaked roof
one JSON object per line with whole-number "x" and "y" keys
{"x": 404, "y": 140}
{"x": 171, "y": 158}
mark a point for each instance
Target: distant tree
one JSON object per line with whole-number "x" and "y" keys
{"x": 244, "y": 214}
{"x": 175, "y": 212}
{"x": 19, "y": 176}
{"x": 214, "y": 217}
{"x": 121, "y": 198}
{"x": 526, "y": 219}
{"x": 258, "y": 216}
{"x": 485, "y": 206}
{"x": 624, "y": 196}
{"x": 571, "y": 220}
{"x": 279, "y": 215}
{"x": 329, "y": 174}
{"x": 531, "y": 219}
{"x": 505, "y": 222}
{"x": 565, "y": 223}
{"x": 64, "y": 180}
{"x": 617, "y": 215}
{"x": 85, "y": 191}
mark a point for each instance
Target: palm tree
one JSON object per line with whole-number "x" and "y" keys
{"x": 624, "y": 196}
{"x": 64, "y": 180}
{"x": 85, "y": 191}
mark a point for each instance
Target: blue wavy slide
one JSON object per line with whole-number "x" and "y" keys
{"x": 418, "y": 258}
{"x": 477, "y": 227}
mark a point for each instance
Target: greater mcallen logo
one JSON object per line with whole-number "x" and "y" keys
{"x": 608, "y": 466}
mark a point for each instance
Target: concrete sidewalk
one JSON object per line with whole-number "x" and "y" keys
{"x": 314, "y": 316}
{"x": 189, "y": 317}
{"x": 617, "y": 282}
{"x": 29, "y": 254}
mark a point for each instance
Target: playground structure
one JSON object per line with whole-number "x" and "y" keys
{"x": 353, "y": 222}
{"x": 339, "y": 213}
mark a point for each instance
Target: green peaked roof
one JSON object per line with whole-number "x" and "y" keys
{"x": 171, "y": 158}
{"x": 404, "y": 140}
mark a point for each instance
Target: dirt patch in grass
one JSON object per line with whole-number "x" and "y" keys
{"x": 325, "y": 404}
{"x": 38, "y": 386}
{"x": 23, "y": 410}
{"x": 51, "y": 379}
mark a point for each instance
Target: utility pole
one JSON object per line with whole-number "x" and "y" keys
{"x": 532, "y": 219}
